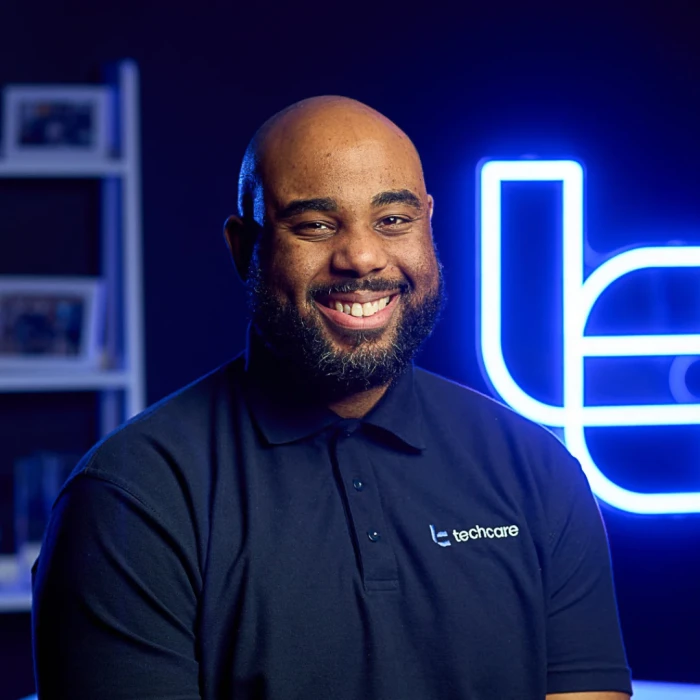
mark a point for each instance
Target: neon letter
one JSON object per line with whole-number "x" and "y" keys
{"x": 579, "y": 297}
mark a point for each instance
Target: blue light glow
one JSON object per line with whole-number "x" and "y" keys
{"x": 579, "y": 298}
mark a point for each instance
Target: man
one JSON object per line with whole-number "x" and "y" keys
{"x": 317, "y": 519}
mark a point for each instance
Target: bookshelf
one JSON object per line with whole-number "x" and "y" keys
{"x": 120, "y": 384}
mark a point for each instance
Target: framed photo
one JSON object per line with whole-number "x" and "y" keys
{"x": 51, "y": 322}
{"x": 56, "y": 122}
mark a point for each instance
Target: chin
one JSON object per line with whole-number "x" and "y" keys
{"x": 355, "y": 340}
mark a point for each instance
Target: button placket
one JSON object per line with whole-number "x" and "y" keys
{"x": 364, "y": 504}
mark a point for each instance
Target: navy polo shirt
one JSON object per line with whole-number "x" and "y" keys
{"x": 237, "y": 540}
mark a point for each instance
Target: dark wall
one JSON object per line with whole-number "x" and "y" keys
{"x": 618, "y": 88}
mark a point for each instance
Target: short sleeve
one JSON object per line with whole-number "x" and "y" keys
{"x": 115, "y": 601}
{"x": 584, "y": 644}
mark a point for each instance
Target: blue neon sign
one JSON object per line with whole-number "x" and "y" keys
{"x": 579, "y": 297}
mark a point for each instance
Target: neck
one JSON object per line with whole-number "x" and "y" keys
{"x": 358, "y": 405}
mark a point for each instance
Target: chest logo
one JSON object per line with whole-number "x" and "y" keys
{"x": 475, "y": 533}
{"x": 439, "y": 537}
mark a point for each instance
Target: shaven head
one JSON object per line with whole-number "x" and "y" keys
{"x": 334, "y": 243}
{"x": 322, "y": 124}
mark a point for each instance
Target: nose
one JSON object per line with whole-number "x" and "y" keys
{"x": 359, "y": 251}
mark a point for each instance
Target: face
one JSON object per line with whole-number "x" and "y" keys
{"x": 344, "y": 280}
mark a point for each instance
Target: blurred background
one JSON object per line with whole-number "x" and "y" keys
{"x": 615, "y": 86}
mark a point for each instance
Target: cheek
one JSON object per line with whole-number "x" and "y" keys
{"x": 292, "y": 268}
{"x": 420, "y": 264}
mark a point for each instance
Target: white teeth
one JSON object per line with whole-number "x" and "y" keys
{"x": 358, "y": 310}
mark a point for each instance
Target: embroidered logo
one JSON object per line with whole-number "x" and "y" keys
{"x": 475, "y": 533}
{"x": 436, "y": 535}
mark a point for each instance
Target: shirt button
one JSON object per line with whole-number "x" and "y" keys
{"x": 373, "y": 535}
{"x": 358, "y": 484}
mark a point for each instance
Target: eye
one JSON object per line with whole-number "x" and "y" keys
{"x": 395, "y": 223}
{"x": 314, "y": 225}
{"x": 311, "y": 228}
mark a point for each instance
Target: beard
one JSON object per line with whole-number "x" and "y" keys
{"x": 304, "y": 344}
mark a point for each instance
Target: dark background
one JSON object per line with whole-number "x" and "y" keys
{"x": 616, "y": 86}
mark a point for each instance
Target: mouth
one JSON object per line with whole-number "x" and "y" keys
{"x": 358, "y": 311}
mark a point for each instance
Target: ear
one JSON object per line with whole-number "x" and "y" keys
{"x": 240, "y": 238}
{"x": 431, "y": 206}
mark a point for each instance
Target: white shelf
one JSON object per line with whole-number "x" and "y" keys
{"x": 64, "y": 380}
{"x": 120, "y": 260}
{"x": 15, "y": 601}
{"x": 59, "y": 168}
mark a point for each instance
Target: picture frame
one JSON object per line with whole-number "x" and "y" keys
{"x": 51, "y": 323}
{"x": 56, "y": 123}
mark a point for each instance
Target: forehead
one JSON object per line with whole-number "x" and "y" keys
{"x": 346, "y": 165}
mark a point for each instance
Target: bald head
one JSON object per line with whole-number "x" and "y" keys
{"x": 309, "y": 134}
{"x": 334, "y": 243}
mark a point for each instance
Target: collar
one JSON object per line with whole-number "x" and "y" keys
{"x": 285, "y": 410}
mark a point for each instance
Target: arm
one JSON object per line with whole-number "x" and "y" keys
{"x": 585, "y": 654}
{"x": 115, "y": 600}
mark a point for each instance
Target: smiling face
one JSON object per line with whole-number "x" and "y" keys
{"x": 344, "y": 280}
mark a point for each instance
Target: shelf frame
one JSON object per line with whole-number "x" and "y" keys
{"x": 122, "y": 389}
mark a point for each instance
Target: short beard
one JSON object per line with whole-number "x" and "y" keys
{"x": 304, "y": 345}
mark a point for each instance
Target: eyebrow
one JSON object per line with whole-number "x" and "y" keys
{"x": 397, "y": 197}
{"x": 299, "y": 206}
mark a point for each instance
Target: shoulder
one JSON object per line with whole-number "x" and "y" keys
{"x": 498, "y": 442}
{"x": 455, "y": 402}
{"x": 168, "y": 446}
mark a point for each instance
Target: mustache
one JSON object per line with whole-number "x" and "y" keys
{"x": 367, "y": 285}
